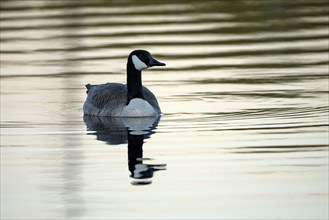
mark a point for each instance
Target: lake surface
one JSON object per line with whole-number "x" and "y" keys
{"x": 244, "y": 95}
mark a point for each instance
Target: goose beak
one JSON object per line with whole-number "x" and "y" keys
{"x": 154, "y": 62}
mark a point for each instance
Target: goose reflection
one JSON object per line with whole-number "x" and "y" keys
{"x": 116, "y": 130}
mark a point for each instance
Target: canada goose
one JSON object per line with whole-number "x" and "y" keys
{"x": 130, "y": 100}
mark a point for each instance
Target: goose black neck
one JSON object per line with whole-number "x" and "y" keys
{"x": 134, "y": 83}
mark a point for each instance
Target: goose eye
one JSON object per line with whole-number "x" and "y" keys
{"x": 143, "y": 58}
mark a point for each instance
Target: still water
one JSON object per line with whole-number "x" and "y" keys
{"x": 244, "y": 95}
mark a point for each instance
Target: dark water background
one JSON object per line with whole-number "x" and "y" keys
{"x": 244, "y": 134}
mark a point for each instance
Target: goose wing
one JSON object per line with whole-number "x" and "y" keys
{"x": 105, "y": 99}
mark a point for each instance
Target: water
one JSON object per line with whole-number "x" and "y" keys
{"x": 244, "y": 134}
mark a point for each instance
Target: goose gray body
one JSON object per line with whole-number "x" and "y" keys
{"x": 125, "y": 100}
{"x": 110, "y": 99}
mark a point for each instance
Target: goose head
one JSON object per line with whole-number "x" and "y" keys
{"x": 142, "y": 59}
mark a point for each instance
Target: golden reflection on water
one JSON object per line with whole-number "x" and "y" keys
{"x": 244, "y": 96}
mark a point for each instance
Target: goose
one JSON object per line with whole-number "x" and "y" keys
{"x": 125, "y": 100}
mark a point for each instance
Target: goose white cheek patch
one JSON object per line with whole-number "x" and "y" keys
{"x": 139, "y": 65}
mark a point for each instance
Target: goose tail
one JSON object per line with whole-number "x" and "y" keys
{"x": 88, "y": 87}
